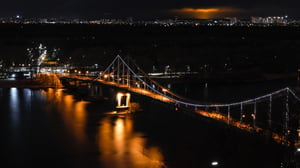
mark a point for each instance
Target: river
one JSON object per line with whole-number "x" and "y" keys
{"x": 56, "y": 128}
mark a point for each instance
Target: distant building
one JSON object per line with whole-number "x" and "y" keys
{"x": 270, "y": 20}
{"x": 3, "y": 75}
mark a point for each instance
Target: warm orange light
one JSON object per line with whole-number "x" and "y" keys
{"x": 205, "y": 13}
{"x": 119, "y": 99}
{"x": 73, "y": 115}
{"x": 200, "y": 10}
{"x": 105, "y": 76}
{"x": 119, "y": 95}
{"x": 120, "y": 144}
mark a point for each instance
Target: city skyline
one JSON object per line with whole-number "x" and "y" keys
{"x": 203, "y": 9}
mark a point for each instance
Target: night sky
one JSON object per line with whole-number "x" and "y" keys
{"x": 141, "y": 9}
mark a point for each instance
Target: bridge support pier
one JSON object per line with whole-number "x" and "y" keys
{"x": 96, "y": 90}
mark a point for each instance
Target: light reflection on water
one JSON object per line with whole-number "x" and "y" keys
{"x": 58, "y": 128}
{"x": 15, "y": 107}
{"x": 122, "y": 147}
{"x": 118, "y": 144}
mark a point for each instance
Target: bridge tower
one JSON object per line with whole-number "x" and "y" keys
{"x": 123, "y": 100}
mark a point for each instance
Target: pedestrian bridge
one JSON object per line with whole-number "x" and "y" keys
{"x": 275, "y": 114}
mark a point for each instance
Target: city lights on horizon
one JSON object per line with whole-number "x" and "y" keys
{"x": 185, "y": 16}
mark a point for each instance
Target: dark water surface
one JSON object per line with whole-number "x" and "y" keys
{"x": 52, "y": 128}
{"x": 230, "y": 92}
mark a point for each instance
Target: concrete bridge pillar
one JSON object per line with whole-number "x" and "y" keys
{"x": 77, "y": 83}
{"x": 96, "y": 90}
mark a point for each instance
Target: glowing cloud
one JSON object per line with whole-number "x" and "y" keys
{"x": 205, "y": 13}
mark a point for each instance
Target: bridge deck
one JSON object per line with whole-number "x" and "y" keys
{"x": 139, "y": 91}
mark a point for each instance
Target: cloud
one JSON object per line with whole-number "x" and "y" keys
{"x": 206, "y": 13}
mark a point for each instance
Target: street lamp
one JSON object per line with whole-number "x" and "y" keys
{"x": 164, "y": 90}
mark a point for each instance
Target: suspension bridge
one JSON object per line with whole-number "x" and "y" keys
{"x": 275, "y": 114}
